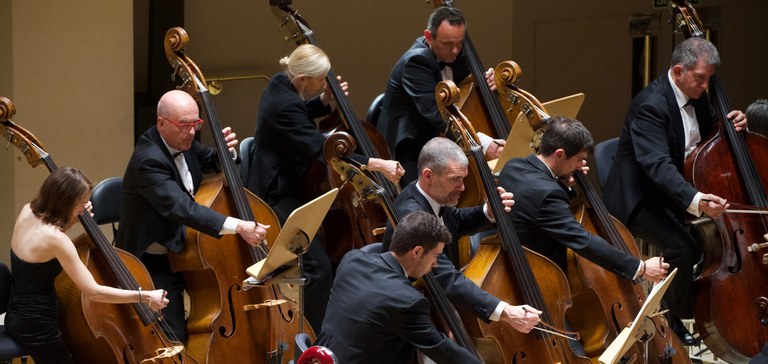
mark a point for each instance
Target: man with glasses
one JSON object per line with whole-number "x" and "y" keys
{"x": 159, "y": 185}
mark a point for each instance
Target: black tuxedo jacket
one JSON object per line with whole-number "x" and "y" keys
{"x": 650, "y": 156}
{"x": 462, "y": 292}
{"x": 156, "y": 206}
{"x": 375, "y": 315}
{"x": 545, "y": 224}
{"x": 409, "y": 109}
{"x": 286, "y": 140}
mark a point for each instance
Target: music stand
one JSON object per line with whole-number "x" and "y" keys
{"x": 633, "y": 333}
{"x": 289, "y": 248}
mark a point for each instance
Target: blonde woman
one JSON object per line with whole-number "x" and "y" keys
{"x": 287, "y": 140}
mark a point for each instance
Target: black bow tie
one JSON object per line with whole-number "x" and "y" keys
{"x": 441, "y": 211}
{"x": 443, "y": 64}
{"x": 175, "y": 155}
{"x": 689, "y": 102}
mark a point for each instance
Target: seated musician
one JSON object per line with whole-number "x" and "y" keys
{"x": 541, "y": 183}
{"x": 40, "y": 249}
{"x": 286, "y": 142}
{"x": 443, "y": 166}
{"x": 757, "y": 114}
{"x": 645, "y": 188}
{"x": 409, "y": 116}
{"x": 375, "y": 315}
{"x": 164, "y": 173}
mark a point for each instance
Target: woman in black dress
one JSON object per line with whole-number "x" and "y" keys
{"x": 40, "y": 249}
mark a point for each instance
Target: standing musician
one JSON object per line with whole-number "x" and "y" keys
{"x": 164, "y": 173}
{"x": 646, "y": 189}
{"x": 409, "y": 116}
{"x": 375, "y": 315}
{"x": 443, "y": 166}
{"x": 541, "y": 183}
{"x": 40, "y": 249}
{"x": 287, "y": 141}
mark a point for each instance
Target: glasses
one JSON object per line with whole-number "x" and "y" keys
{"x": 197, "y": 125}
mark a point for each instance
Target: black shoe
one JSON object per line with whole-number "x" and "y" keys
{"x": 682, "y": 333}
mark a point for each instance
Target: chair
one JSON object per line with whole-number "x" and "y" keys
{"x": 373, "y": 248}
{"x": 605, "y": 151}
{"x": 107, "y": 198}
{"x": 245, "y": 158}
{"x": 375, "y": 110}
{"x": 9, "y": 348}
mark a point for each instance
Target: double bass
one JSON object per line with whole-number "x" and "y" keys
{"x": 97, "y": 332}
{"x": 510, "y": 272}
{"x": 731, "y": 310}
{"x": 592, "y": 286}
{"x": 226, "y": 323}
{"x": 336, "y": 149}
{"x": 350, "y": 223}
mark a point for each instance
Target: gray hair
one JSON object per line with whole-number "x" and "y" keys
{"x": 438, "y": 153}
{"x": 757, "y": 116}
{"x": 692, "y": 50}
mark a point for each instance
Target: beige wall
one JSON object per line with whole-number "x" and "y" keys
{"x": 72, "y": 84}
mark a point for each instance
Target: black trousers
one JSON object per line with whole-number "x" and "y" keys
{"x": 159, "y": 268}
{"x": 661, "y": 227}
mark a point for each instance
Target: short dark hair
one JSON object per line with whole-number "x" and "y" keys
{"x": 452, "y": 15}
{"x": 688, "y": 52}
{"x": 757, "y": 116}
{"x": 58, "y": 195}
{"x": 419, "y": 228}
{"x": 566, "y": 133}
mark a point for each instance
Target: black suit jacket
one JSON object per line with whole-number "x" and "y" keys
{"x": 409, "y": 109}
{"x": 156, "y": 206}
{"x": 650, "y": 156}
{"x": 545, "y": 224}
{"x": 286, "y": 140}
{"x": 375, "y": 315}
{"x": 462, "y": 292}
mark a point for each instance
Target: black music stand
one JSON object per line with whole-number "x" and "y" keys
{"x": 288, "y": 250}
{"x": 641, "y": 328}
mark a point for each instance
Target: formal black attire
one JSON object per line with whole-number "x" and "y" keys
{"x": 286, "y": 142}
{"x": 545, "y": 224}
{"x": 645, "y": 188}
{"x": 156, "y": 208}
{"x": 375, "y": 315}
{"x": 462, "y": 292}
{"x": 409, "y": 116}
{"x": 32, "y": 318}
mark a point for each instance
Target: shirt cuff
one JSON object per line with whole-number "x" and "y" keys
{"x": 229, "y": 227}
{"x": 637, "y": 272}
{"x": 485, "y": 141}
{"x": 496, "y": 315}
{"x": 693, "y": 208}
{"x": 487, "y": 216}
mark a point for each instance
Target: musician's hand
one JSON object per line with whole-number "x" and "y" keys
{"x": 507, "y": 199}
{"x": 231, "y": 138}
{"x": 252, "y": 232}
{"x": 522, "y": 318}
{"x": 738, "y": 118}
{"x": 327, "y": 96}
{"x": 392, "y": 170}
{"x": 712, "y": 206}
{"x": 655, "y": 269}
{"x": 156, "y": 299}
{"x": 88, "y": 207}
{"x": 489, "y": 76}
{"x": 494, "y": 149}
